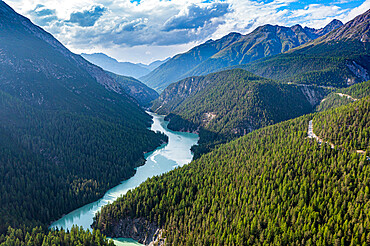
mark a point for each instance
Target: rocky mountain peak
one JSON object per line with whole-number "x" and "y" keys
{"x": 356, "y": 29}
{"x": 315, "y": 33}
{"x": 334, "y": 24}
{"x": 296, "y": 27}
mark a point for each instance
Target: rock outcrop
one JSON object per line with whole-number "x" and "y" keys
{"x": 139, "y": 229}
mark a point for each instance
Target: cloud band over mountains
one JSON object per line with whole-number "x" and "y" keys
{"x": 115, "y": 23}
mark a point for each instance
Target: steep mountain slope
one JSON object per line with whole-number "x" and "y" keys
{"x": 273, "y": 186}
{"x": 232, "y": 103}
{"x": 112, "y": 65}
{"x": 133, "y": 87}
{"x": 68, "y": 131}
{"x": 344, "y": 96}
{"x": 233, "y": 49}
{"x": 340, "y": 58}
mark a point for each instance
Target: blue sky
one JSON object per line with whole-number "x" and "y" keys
{"x": 147, "y": 30}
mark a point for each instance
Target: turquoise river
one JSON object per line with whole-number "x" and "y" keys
{"x": 165, "y": 158}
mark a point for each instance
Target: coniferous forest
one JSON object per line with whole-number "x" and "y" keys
{"x": 55, "y": 161}
{"x": 229, "y": 104}
{"x": 273, "y": 186}
{"x": 38, "y": 237}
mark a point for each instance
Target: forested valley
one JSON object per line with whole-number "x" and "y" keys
{"x": 70, "y": 131}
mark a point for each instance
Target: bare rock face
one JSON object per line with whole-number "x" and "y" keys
{"x": 358, "y": 71}
{"x": 334, "y": 24}
{"x": 312, "y": 95}
{"x": 139, "y": 229}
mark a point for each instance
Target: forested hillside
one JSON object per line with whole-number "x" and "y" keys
{"x": 339, "y": 59}
{"x": 133, "y": 87}
{"x": 68, "y": 132}
{"x": 345, "y": 96}
{"x": 273, "y": 186}
{"x": 348, "y": 127}
{"x": 233, "y": 49}
{"x": 232, "y": 103}
{"x": 55, "y": 161}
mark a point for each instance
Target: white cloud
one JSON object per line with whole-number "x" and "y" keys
{"x": 357, "y": 11}
{"x": 317, "y": 15}
{"x": 126, "y": 26}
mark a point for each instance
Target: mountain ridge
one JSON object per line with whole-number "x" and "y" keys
{"x": 136, "y": 89}
{"x": 340, "y": 58}
{"x": 179, "y": 65}
{"x": 6, "y": 12}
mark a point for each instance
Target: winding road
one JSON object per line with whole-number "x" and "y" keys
{"x": 311, "y": 134}
{"x": 348, "y": 96}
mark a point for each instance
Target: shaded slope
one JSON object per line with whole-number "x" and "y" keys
{"x": 68, "y": 131}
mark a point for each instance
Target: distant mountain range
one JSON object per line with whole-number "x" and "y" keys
{"x": 233, "y": 49}
{"x": 110, "y": 64}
